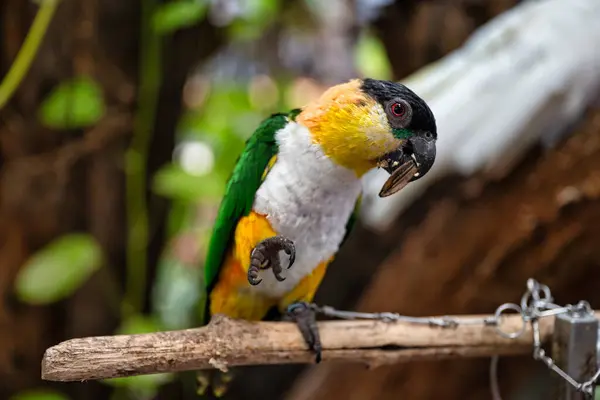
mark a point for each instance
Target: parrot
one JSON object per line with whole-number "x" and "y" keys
{"x": 294, "y": 196}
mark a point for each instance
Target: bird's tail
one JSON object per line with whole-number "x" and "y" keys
{"x": 212, "y": 384}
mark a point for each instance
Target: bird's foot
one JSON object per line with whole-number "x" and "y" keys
{"x": 266, "y": 255}
{"x": 305, "y": 317}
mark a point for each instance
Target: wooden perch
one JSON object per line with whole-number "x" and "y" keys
{"x": 226, "y": 342}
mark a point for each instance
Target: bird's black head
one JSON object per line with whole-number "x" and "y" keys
{"x": 411, "y": 119}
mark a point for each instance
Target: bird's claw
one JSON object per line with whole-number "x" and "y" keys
{"x": 266, "y": 255}
{"x": 304, "y": 317}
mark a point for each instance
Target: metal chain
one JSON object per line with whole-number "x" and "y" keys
{"x": 536, "y": 303}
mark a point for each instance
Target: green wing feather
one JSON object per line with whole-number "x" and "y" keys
{"x": 239, "y": 195}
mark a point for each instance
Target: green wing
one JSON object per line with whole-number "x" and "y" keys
{"x": 239, "y": 194}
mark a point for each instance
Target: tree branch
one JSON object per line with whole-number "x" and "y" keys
{"x": 27, "y": 53}
{"x": 226, "y": 342}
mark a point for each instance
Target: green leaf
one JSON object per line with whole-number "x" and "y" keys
{"x": 57, "y": 270}
{"x": 173, "y": 182}
{"x": 142, "y": 386}
{"x": 178, "y": 14}
{"x": 257, "y": 16}
{"x": 77, "y": 103}
{"x": 181, "y": 215}
{"x": 137, "y": 324}
{"x": 371, "y": 57}
{"x": 39, "y": 394}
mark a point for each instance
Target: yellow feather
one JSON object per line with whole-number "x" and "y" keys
{"x": 269, "y": 166}
{"x": 230, "y": 295}
{"x": 350, "y": 127}
{"x": 307, "y": 288}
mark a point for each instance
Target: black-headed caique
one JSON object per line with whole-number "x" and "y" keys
{"x": 294, "y": 192}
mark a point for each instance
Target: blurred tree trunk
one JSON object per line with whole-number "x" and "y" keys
{"x": 416, "y": 33}
{"x": 53, "y": 182}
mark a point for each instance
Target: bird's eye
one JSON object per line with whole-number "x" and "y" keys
{"x": 428, "y": 135}
{"x": 399, "y": 113}
{"x": 398, "y": 109}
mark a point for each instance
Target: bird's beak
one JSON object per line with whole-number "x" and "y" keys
{"x": 423, "y": 152}
{"x": 410, "y": 162}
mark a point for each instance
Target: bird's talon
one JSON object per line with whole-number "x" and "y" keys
{"x": 304, "y": 316}
{"x": 253, "y": 276}
{"x": 266, "y": 256}
{"x": 279, "y": 277}
{"x": 291, "y": 251}
{"x": 254, "y": 282}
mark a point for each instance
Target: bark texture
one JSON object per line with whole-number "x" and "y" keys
{"x": 226, "y": 343}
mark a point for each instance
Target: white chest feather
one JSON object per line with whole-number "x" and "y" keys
{"x": 307, "y": 198}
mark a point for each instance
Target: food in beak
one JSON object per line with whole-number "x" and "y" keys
{"x": 402, "y": 167}
{"x": 400, "y": 176}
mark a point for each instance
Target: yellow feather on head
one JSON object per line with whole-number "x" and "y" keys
{"x": 350, "y": 126}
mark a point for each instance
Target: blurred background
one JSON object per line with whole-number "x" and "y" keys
{"x": 120, "y": 122}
